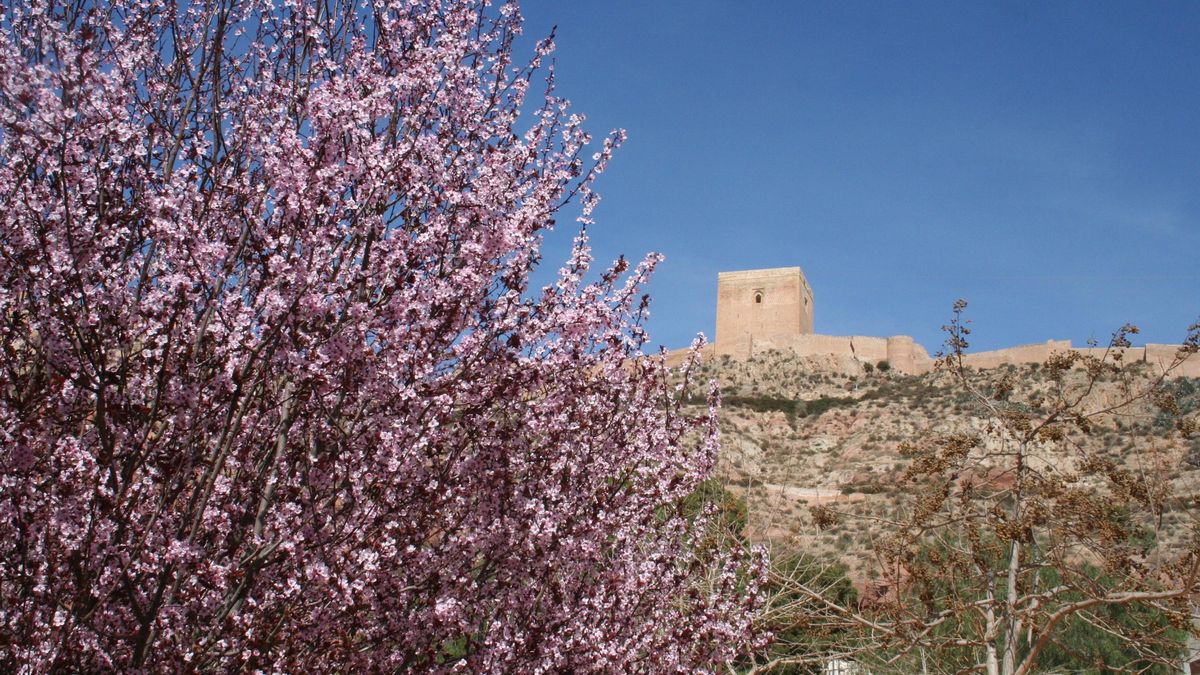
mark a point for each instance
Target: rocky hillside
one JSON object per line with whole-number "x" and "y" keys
{"x": 796, "y": 434}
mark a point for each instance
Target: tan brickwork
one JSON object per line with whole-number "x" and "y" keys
{"x": 761, "y": 306}
{"x": 772, "y": 309}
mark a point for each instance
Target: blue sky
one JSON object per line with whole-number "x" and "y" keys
{"x": 1040, "y": 160}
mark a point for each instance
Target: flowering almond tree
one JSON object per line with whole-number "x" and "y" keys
{"x": 276, "y": 392}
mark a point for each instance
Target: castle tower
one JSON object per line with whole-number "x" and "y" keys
{"x": 761, "y": 306}
{"x": 900, "y": 353}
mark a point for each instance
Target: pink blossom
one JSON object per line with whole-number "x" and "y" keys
{"x": 278, "y": 394}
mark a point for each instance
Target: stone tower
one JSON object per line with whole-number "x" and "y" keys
{"x": 761, "y": 306}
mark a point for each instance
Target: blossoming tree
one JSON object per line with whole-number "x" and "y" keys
{"x": 276, "y": 391}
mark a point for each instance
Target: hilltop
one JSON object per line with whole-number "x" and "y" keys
{"x": 798, "y": 432}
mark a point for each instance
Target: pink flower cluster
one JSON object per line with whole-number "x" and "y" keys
{"x": 276, "y": 393}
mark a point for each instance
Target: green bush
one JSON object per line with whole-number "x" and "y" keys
{"x": 815, "y": 407}
{"x": 762, "y": 403}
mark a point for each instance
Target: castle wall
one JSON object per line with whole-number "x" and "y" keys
{"x": 922, "y": 362}
{"x": 1161, "y": 357}
{"x": 763, "y": 310}
{"x": 907, "y": 357}
{"x": 761, "y": 306}
{"x": 1126, "y": 354}
{"x": 900, "y": 351}
{"x": 807, "y": 345}
{"x": 1035, "y": 353}
{"x": 869, "y": 349}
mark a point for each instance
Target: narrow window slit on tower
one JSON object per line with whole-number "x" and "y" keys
{"x": 758, "y": 298}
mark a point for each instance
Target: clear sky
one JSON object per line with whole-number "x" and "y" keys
{"x": 1041, "y": 160}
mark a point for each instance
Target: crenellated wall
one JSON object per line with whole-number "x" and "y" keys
{"x": 772, "y": 309}
{"x": 1035, "y": 353}
{"x": 905, "y": 356}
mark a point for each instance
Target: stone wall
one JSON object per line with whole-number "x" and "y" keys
{"x": 1116, "y": 354}
{"x": 772, "y": 309}
{"x": 1036, "y": 353}
{"x": 850, "y": 352}
{"x": 1162, "y": 357}
{"x": 900, "y": 351}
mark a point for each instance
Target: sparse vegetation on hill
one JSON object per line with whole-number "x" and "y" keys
{"x": 1056, "y": 498}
